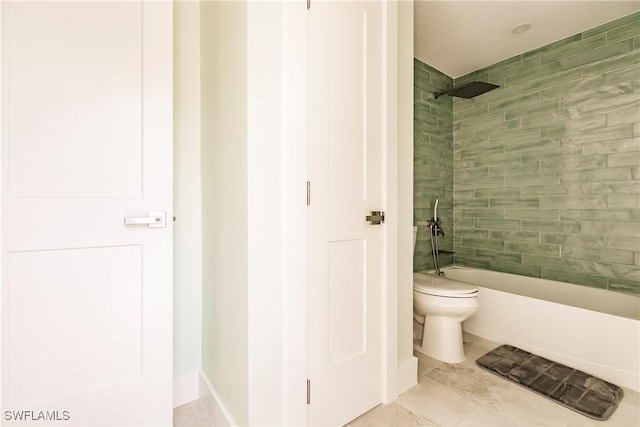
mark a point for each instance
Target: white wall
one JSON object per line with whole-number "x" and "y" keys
{"x": 187, "y": 241}
{"x": 225, "y": 302}
{"x": 407, "y": 363}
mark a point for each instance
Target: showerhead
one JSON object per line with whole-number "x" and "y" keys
{"x": 467, "y": 91}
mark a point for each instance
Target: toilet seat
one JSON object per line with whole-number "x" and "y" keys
{"x": 443, "y": 287}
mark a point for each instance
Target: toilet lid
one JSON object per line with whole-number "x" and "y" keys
{"x": 442, "y": 286}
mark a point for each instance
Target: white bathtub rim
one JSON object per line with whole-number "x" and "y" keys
{"x": 631, "y": 310}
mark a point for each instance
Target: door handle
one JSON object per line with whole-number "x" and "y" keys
{"x": 155, "y": 219}
{"x": 376, "y": 218}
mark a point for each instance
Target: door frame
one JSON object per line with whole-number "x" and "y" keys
{"x": 295, "y": 303}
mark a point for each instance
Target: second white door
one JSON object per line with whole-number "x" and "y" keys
{"x": 345, "y": 252}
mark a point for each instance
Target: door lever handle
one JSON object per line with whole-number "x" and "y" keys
{"x": 155, "y": 219}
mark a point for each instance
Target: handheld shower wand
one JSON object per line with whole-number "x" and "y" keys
{"x": 434, "y": 228}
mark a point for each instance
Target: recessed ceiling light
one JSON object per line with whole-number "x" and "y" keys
{"x": 519, "y": 29}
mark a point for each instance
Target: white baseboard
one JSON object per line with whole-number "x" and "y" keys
{"x": 218, "y": 413}
{"x": 185, "y": 389}
{"x": 407, "y": 374}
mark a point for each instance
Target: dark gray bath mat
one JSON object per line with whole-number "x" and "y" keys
{"x": 581, "y": 392}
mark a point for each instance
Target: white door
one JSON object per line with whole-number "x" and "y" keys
{"x": 86, "y": 141}
{"x": 345, "y": 252}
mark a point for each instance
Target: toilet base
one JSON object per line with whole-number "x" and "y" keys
{"x": 442, "y": 339}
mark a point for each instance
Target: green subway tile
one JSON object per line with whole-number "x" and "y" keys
{"x": 473, "y": 115}
{"x": 624, "y": 116}
{"x": 578, "y": 47}
{"x": 553, "y": 46}
{"x": 491, "y": 181}
{"x": 509, "y": 62}
{"x": 612, "y": 63}
{"x": 609, "y": 26}
{"x": 636, "y": 129}
{"x": 532, "y": 179}
{"x": 499, "y": 256}
{"x": 622, "y": 33}
{"x": 618, "y": 215}
{"x": 620, "y": 187}
{"x": 516, "y": 101}
{"x": 559, "y": 116}
{"x": 463, "y": 164}
{"x": 635, "y": 172}
{"x": 470, "y": 173}
{"x": 532, "y": 214}
{"x": 610, "y": 228}
{"x": 555, "y": 79}
{"x": 563, "y": 128}
{"x": 513, "y": 202}
{"x": 498, "y": 159}
{"x": 526, "y": 73}
{"x": 622, "y": 285}
{"x": 514, "y": 169}
{"x": 590, "y": 136}
{"x": 464, "y": 251}
{"x": 534, "y": 248}
{"x": 463, "y": 194}
{"x": 498, "y": 224}
{"x": 573, "y": 202}
{"x": 628, "y": 272}
{"x": 575, "y": 90}
{"x": 535, "y": 144}
{"x": 603, "y": 174}
{"x": 483, "y": 213}
{"x": 498, "y": 74}
{"x": 491, "y": 130}
{"x": 498, "y": 94}
{"x": 566, "y": 188}
{"x": 472, "y": 203}
{"x": 555, "y": 164}
{"x": 610, "y": 105}
{"x": 577, "y": 278}
{"x": 630, "y": 243}
{"x": 597, "y": 54}
{"x": 532, "y": 109}
{"x": 460, "y": 222}
{"x": 552, "y": 226}
{"x": 481, "y": 151}
{"x": 516, "y": 135}
{"x": 636, "y": 258}
{"x": 624, "y": 74}
{"x": 598, "y": 254}
{"x": 423, "y": 114}
{"x": 623, "y": 145}
{"x": 516, "y": 236}
{"x": 514, "y": 268}
{"x": 470, "y": 262}
{"x": 614, "y": 201}
{"x": 498, "y": 191}
{"x": 581, "y": 96}
{"x": 575, "y": 240}
{"x": 552, "y": 262}
{"x": 472, "y": 233}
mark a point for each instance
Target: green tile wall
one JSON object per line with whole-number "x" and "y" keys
{"x": 546, "y": 178}
{"x": 433, "y": 161}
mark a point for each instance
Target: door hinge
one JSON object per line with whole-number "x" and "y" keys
{"x": 308, "y": 193}
{"x": 308, "y": 4}
{"x": 308, "y": 392}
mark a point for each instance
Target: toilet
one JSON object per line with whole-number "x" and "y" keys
{"x": 441, "y": 305}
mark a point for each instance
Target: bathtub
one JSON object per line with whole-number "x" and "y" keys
{"x": 590, "y": 329}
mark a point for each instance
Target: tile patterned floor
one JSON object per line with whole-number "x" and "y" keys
{"x": 191, "y": 415}
{"x": 463, "y": 395}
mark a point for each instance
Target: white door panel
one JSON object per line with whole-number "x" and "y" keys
{"x": 345, "y": 273}
{"x": 87, "y": 141}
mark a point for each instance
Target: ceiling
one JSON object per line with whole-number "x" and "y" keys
{"x": 457, "y": 37}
